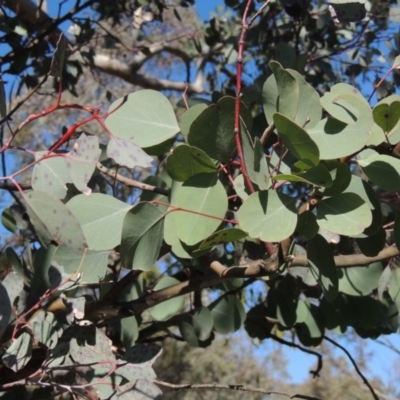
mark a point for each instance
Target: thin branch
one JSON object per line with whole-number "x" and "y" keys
{"x": 131, "y": 182}
{"x": 12, "y": 187}
{"x": 240, "y": 388}
{"x": 267, "y": 132}
{"x": 365, "y": 380}
{"x": 305, "y": 350}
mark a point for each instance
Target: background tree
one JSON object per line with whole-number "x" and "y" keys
{"x": 271, "y": 204}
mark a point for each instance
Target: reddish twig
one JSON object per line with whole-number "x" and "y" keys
{"x": 239, "y": 69}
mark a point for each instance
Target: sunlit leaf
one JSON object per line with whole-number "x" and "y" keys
{"x": 53, "y": 221}
{"x": 268, "y": 215}
{"x": 144, "y": 117}
{"x": 101, "y": 218}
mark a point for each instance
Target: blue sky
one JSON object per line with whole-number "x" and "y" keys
{"x": 382, "y": 361}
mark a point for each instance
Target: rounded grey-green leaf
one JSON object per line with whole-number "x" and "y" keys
{"x": 201, "y": 203}
{"x": 307, "y": 226}
{"x": 322, "y": 265}
{"x": 335, "y": 139}
{"x": 19, "y": 353}
{"x": 142, "y": 236}
{"x": 92, "y": 264}
{"x": 228, "y": 313}
{"x": 101, "y": 217}
{"x": 345, "y": 214}
{"x": 187, "y": 161}
{"x": 212, "y": 131}
{"x": 318, "y": 176}
{"x": 169, "y": 308}
{"x": 359, "y": 281}
{"x": 5, "y": 309}
{"x": 222, "y": 237}
{"x": 145, "y": 117}
{"x": 189, "y": 116}
{"x": 197, "y": 328}
{"x": 53, "y": 221}
{"x": 383, "y": 170}
{"x": 368, "y": 194}
{"x": 371, "y": 245}
{"x": 268, "y": 215}
{"x": 340, "y": 176}
{"x": 297, "y": 140}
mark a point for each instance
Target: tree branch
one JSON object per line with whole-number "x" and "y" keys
{"x": 105, "y": 310}
{"x": 240, "y": 388}
{"x": 131, "y": 182}
{"x": 37, "y": 20}
{"x": 365, "y": 380}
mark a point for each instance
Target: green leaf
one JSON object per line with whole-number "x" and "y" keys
{"x": 317, "y": 176}
{"x": 45, "y": 329}
{"x": 240, "y": 187}
{"x": 186, "y": 161}
{"x": 228, "y": 313}
{"x": 309, "y": 108}
{"x": 396, "y": 231}
{"x": 101, "y": 217}
{"x": 53, "y": 221}
{"x": 340, "y": 177}
{"x": 19, "y": 353}
{"x": 345, "y": 103}
{"x": 14, "y": 285}
{"x": 383, "y": 170}
{"x": 286, "y": 305}
{"x": 142, "y": 236}
{"x": 144, "y": 117}
{"x": 41, "y": 265}
{"x": 200, "y": 205}
{"x": 348, "y": 11}
{"x": 169, "y": 308}
{"x": 394, "y": 286}
{"x": 335, "y": 139}
{"x": 50, "y": 175}
{"x": 222, "y": 237}
{"x": 143, "y": 354}
{"x": 129, "y": 331}
{"x": 309, "y": 330}
{"x": 270, "y": 98}
{"x": 91, "y": 264}
{"x": 371, "y": 245}
{"x": 322, "y": 265}
{"x": 288, "y": 91}
{"x": 81, "y": 161}
{"x": 17, "y": 265}
{"x": 344, "y": 214}
{"x": 297, "y": 140}
{"x": 5, "y": 309}
{"x": 359, "y": 281}
{"x": 8, "y": 220}
{"x": 260, "y": 166}
{"x": 387, "y": 116}
{"x": 256, "y": 324}
{"x": 268, "y": 215}
{"x": 365, "y": 191}
{"x": 213, "y": 130}
{"x": 128, "y": 154}
{"x": 198, "y": 327}
{"x": 307, "y": 226}
{"x": 189, "y": 116}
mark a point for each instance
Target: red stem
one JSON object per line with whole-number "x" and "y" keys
{"x": 239, "y": 70}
